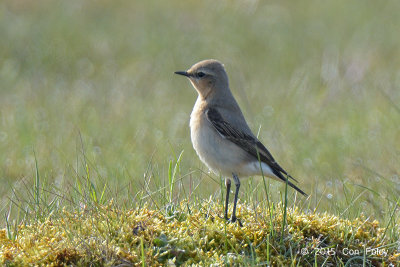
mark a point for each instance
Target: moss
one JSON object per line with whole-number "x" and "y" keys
{"x": 109, "y": 236}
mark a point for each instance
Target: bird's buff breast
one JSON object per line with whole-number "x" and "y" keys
{"x": 220, "y": 155}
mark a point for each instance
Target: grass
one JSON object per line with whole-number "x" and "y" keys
{"x": 90, "y": 112}
{"x": 107, "y": 235}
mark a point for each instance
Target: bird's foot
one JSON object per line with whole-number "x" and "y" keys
{"x": 225, "y": 217}
{"x": 233, "y": 220}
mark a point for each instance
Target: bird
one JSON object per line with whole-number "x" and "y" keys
{"x": 221, "y": 136}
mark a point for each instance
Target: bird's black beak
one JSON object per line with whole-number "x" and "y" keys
{"x": 183, "y": 73}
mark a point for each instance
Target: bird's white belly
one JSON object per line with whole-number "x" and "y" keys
{"x": 221, "y": 155}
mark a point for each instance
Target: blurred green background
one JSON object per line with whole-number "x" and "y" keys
{"x": 91, "y": 83}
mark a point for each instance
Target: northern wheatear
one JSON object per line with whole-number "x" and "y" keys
{"x": 220, "y": 134}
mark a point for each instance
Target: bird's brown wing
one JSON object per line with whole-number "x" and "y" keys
{"x": 248, "y": 143}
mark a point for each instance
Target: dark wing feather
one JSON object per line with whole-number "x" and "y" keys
{"x": 248, "y": 143}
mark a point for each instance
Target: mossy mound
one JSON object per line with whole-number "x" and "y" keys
{"x": 105, "y": 235}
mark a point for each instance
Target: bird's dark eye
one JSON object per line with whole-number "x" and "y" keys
{"x": 201, "y": 74}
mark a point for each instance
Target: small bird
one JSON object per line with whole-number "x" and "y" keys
{"x": 220, "y": 134}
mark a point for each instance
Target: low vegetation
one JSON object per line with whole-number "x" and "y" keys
{"x": 182, "y": 234}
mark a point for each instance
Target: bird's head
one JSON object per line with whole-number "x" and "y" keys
{"x": 207, "y": 77}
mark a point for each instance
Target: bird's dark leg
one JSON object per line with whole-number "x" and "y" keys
{"x": 228, "y": 190}
{"x": 237, "y": 184}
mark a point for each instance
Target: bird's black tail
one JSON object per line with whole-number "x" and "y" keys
{"x": 280, "y": 176}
